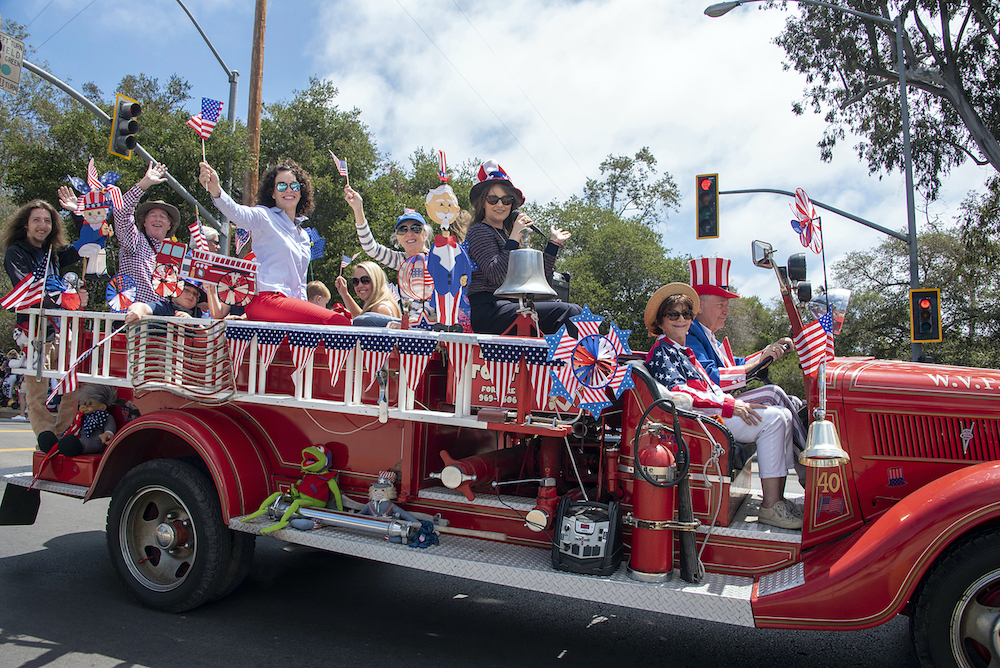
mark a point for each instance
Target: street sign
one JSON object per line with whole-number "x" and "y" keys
{"x": 11, "y": 55}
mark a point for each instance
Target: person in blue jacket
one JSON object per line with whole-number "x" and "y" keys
{"x": 710, "y": 280}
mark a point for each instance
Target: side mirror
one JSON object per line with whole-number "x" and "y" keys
{"x": 762, "y": 253}
{"x": 804, "y": 291}
{"x": 797, "y": 267}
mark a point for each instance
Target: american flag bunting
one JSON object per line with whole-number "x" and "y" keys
{"x": 303, "y": 346}
{"x": 338, "y": 347}
{"x": 414, "y": 354}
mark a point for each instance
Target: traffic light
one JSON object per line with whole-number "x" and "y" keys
{"x": 124, "y": 126}
{"x": 925, "y": 316}
{"x": 707, "y": 194}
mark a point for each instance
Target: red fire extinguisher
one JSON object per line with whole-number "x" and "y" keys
{"x": 654, "y": 500}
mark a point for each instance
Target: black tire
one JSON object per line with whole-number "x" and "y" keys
{"x": 166, "y": 536}
{"x": 956, "y": 617}
{"x": 241, "y": 549}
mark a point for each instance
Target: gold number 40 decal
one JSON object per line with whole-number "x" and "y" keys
{"x": 828, "y": 483}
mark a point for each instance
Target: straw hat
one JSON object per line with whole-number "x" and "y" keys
{"x": 653, "y": 305}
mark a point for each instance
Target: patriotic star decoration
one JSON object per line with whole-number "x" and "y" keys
{"x": 591, "y": 363}
{"x": 317, "y": 244}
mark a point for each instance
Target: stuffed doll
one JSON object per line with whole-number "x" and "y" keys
{"x": 314, "y": 488}
{"x": 93, "y": 427}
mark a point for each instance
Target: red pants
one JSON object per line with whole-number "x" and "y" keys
{"x": 276, "y": 307}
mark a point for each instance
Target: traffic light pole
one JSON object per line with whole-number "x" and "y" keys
{"x": 107, "y": 120}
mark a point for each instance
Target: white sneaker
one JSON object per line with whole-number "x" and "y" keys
{"x": 779, "y": 515}
{"x": 19, "y": 417}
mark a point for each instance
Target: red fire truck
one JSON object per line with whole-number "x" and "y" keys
{"x": 235, "y": 278}
{"x": 608, "y": 492}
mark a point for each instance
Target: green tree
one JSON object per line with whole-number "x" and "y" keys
{"x": 952, "y": 70}
{"x": 878, "y": 322}
{"x": 631, "y": 188}
{"x": 615, "y": 263}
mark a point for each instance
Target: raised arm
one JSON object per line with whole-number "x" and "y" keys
{"x": 250, "y": 218}
{"x": 390, "y": 258}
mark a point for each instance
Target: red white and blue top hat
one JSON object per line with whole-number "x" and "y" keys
{"x": 710, "y": 276}
{"x": 489, "y": 174}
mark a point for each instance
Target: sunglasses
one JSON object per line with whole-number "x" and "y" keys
{"x": 364, "y": 280}
{"x": 506, "y": 199}
{"x": 674, "y": 315}
{"x": 282, "y": 187}
{"x": 416, "y": 228}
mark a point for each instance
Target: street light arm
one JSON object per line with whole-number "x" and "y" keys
{"x": 722, "y": 8}
{"x": 229, "y": 72}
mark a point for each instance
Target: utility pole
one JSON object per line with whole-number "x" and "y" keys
{"x": 256, "y": 97}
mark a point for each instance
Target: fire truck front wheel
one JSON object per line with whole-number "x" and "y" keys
{"x": 956, "y": 618}
{"x": 167, "y": 540}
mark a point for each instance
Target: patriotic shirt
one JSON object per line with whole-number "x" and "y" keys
{"x": 490, "y": 250}
{"x": 391, "y": 258}
{"x": 136, "y": 249}
{"x": 22, "y": 258}
{"x": 675, "y": 367}
{"x": 725, "y": 370}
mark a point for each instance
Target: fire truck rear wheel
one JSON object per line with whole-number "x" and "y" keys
{"x": 167, "y": 540}
{"x": 956, "y": 617}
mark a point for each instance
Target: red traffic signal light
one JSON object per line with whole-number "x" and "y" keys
{"x": 707, "y": 196}
{"x": 925, "y": 316}
{"x": 124, "y": 126}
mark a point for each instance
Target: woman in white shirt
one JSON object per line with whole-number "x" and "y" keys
{"x": 284, "y": 197}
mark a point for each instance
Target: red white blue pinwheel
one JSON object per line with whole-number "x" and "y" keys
{"x": 806, "y": 222}
{"x": 591, "y": 363}
{"x": 120, "y": 293}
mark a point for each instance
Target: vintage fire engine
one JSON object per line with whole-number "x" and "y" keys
{"x": 558, "y": 466}
{"x": 235, "y": 278}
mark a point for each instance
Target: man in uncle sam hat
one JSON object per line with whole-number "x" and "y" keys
{"x": 710, "y": 279}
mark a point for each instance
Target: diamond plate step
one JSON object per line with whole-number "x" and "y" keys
{"x": 21, "y": 476}
{"x": 721, "y": 598}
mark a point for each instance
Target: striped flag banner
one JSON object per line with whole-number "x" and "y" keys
{"x": 502, "y": 361}
{"x": 268, "y": 341}
{"x": 414, "y": 354}
{"x": 375, "y": 350}
{"x": 303, "y": 347}
{"x": 239, "y": 337}
{"x": 338, "y": 347}
{"x": 459, "y": 356}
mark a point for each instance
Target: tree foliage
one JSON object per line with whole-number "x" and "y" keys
{"x": 952, "y": 66}
{"x": 631, "y": 188}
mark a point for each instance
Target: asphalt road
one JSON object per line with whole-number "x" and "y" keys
{"x": 61, "y": 605}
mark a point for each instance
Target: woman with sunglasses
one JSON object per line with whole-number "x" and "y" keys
{"x": 284, "y": 197}
{"x": 497, "y": 229}
{"x": 669, "y": 314}
{"x": 379, "y": 307}
{"x": 412, "y": 236}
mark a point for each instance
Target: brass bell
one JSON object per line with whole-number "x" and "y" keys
{"x": 525, "y": 275}
{"x": 823, "y": 446}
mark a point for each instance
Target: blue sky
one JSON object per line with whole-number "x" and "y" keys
{"x": 549, "y": 88}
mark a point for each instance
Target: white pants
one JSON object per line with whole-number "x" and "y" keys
{"x": 774, "y": 395}
{"x": 773, "y": 434}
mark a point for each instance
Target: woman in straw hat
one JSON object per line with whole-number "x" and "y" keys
{"x": 669, "y": 315}
{"x": 497, "y": 230}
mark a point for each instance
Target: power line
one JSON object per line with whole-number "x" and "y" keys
{"x": 512, "y": 78}
{"x": 469, "y": 84}
{"x": 39, "y": 13}
{"x": 64, "y": 25}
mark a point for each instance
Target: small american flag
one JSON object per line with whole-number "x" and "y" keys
{"x": 204, "y": 121}
{"x": 29, "y": 290}
{"x": 198, "y": 240}
{"x": 831, "y": 505}
{"x": 341, "y": 164}
{"x": 414, "y": 354}
{"x": 338, "y": 347}
{"x": 242, "y": 237}
{"x": 303, "y": 345}
{"x": 502, "y": 361}
{"x": 814, "y": 344}
{"x": 442, "y": 167}
{"x": 347, "y": 259}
